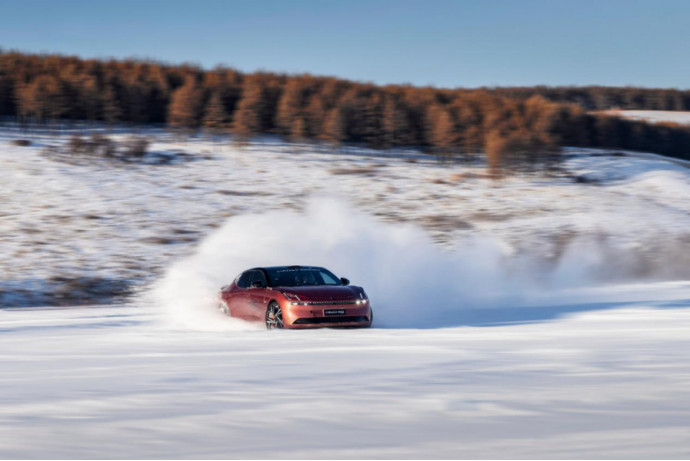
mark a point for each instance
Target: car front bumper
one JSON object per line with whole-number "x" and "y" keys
{"x": 327, "y": 316}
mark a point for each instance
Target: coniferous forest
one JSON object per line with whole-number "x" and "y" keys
{"x": 502, "y": 122}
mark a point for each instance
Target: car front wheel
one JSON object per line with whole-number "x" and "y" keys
{"x": 274, "y": 317}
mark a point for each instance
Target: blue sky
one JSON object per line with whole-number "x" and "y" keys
{"x": 436, "y": 42}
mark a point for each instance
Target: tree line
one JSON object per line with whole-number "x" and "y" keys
{"x": 504, "y": 123}
{"x": 606, "y": 97}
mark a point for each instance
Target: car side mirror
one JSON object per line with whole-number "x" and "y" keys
{"x": 344, "y": 281}
{"x": 257, "y": 284}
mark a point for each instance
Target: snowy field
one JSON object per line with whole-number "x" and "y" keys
{"x": 535, "y": 317}
{"x": 113, "y": 382}
{"x": 654, "y": 116}
{"x": 75, "y": 228}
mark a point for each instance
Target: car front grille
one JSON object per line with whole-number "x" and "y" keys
{"x": 321, "y": 320}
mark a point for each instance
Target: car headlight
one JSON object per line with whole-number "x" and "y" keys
{"x": 361, "y": 301}
{"x": 290, "y": 296}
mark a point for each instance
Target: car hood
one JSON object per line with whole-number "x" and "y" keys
{"x": 323, "y": 293}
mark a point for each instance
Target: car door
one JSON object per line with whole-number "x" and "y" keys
{"x": 258, "y": 296}
{"x": 238, "y": 301}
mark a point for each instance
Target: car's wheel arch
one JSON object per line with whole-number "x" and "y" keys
{"x": 268, "y": 307}
{"x": 271, "y": 301}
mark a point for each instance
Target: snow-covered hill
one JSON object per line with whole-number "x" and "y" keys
{"x": 78, "y": 229}
{"x": 538, "y": 316}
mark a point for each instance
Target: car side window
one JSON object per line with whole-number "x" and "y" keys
{"x": 258, "y": 276}
{"x": 245, "y": 279}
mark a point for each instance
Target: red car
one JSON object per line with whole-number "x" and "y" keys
{"x": 296, "y": 297}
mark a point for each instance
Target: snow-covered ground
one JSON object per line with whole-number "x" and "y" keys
{"x": 654, "y": 116}
{"x": 115, "y": 383}
{"x": 531, "y": 317}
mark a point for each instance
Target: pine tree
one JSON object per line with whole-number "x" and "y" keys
{"x": 289, "y": 106}
{"x": 186, "y": 105}
{"x": 334, "y": 129}
{"x": 111, "y": 105}
{"x": 215, "y": 115}
{"x": 315, "y": 115}
{"x": 6, "y": 96}
{"x": 443, "y": 133}
{"x": 42, "y": 99}
{"x": 298, "y": 130}
{"x": 396, "y": 124}
{"x": 88, "y": 97}
{"x": 247, "y": 120}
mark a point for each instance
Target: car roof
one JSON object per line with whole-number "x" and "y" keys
{"x": 288, "y": 267}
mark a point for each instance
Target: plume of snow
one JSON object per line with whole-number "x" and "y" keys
{"x": 411, "y": 281}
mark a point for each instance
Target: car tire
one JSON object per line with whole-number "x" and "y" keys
{"x": 274, "y": 317}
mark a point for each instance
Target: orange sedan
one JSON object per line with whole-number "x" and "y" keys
{"x": 296, "y": 297}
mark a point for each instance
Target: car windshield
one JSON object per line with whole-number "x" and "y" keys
{"x": 300, "y": 276}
